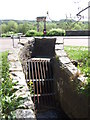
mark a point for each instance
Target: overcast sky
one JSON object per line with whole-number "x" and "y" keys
{"x": 30, "y": 9}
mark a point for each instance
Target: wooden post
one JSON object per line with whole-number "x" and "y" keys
{"x": 41, "y": 19}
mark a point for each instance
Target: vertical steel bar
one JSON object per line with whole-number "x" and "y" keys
{"x": 49, "y": 72}
{"x": 36, "y": 80}
{"x": 39, "y": 77}
{"x": 33, "y": 80}
{"x": 26, "y": 72}
{"x": 47, "y": 75}
{"x": 40, "y": 89}
{"x": 50, "y": 82}
{"x": 45, "y": 89}
{"x": 41, "y": 80}
{"x": 29, "y": 71}
{"x": 52, "y": 86}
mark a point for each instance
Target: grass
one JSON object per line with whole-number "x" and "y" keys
{"x": 82, "y": 56}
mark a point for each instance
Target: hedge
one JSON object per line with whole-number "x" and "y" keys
{"x": 56, "y": 32}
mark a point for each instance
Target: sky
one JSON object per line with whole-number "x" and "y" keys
{"x": 30, "y": 9}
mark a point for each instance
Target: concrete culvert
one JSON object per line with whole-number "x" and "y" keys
{"x": 53, "y": 79}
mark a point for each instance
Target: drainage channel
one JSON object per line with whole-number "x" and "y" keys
{"x": 39, "y": 77}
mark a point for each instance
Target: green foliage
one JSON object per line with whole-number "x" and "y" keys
{"x": 3, "y": 35}
{"x": 31, "y": 87}
{"x": 82, "y": 55}
{"x": 4, "y": 28}
{"x": 23, "y": 26}
{"x": 31, "y": 33}
{"x": 8, "y": 99}
{"x": 8, "y": 34}
{"x": 56, "y": 32}
{"x": 12, "y": 26}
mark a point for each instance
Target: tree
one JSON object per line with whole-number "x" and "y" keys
{"x": 20, "y": 28}
{"x": 12, "y": 26}
{"x": 3, "y": 28}
{"x": 76, "y": 27}
{"x": 26, "y": 27}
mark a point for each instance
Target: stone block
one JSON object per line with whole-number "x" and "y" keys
{"x": 59, "y": 47}
{"x": 71, "y": 70}
{"x": 19, "y": 76}
{"x": 23, "y": 41}
{"x": 15, "y": 66}
{"x": 59, "y": 40}
{"x": 61, "y": 53}
{"x": 64, "y": 60}
{"x": 25, "y": 114}
{"x": 13, "y": 58}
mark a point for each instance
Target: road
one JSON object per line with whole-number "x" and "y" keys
{"x": 7, "y": 43}
{"x": 77, "y": 41}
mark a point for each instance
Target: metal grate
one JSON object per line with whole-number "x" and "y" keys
{"x": 39, "y": 72}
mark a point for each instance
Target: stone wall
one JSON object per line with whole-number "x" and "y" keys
{"x": 67, "y": 79}
{"x": 16, "y": 73}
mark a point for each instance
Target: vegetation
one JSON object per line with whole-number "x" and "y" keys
{"x": 17, "y": 26}
{"x": 31, "y": 33}
{"x": 56, "y": 32}
{"x": 9, "y": 102}
{"x": 52, "y": 32}
{"x": 81, "y": 54}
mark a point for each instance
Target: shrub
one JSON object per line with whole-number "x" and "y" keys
{"x": 39, "y": 34}
{"x": 56, "y": 32}
{"x": 31, "y": 33}
{"x": 3, "y": 35}
{"x": 8, "y": 34}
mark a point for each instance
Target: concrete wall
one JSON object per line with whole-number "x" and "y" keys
{"x": 44, "y": 47}
{"x": 78, "y": 33}
{"x": 67, "y": 79}
{"x": 66, "y": 75}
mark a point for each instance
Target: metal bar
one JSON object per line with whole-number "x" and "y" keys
{"x": 26, "y": 72}
{"x": 47, "y": 72}
{"x": 29, "y": 71}
{"x": 39, "y": 77}
{"x": 46, "y": 94}
{"x": 40, "y": 88}
{"x": 47, "y": 75}
{"x": 50, "y": 82}
{"x": 36, "y": 79}
{"x": 45, "y": 90}
{"x": 40, "y": 72}
{"x": 41, "y": 81}
{"x": 33, "y": 81}
{"x": 52, "y": 87}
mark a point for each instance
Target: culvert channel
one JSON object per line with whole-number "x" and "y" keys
{"x": 40, "y": 79}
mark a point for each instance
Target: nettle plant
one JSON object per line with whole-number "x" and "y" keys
{"x": 9, "y": 101}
